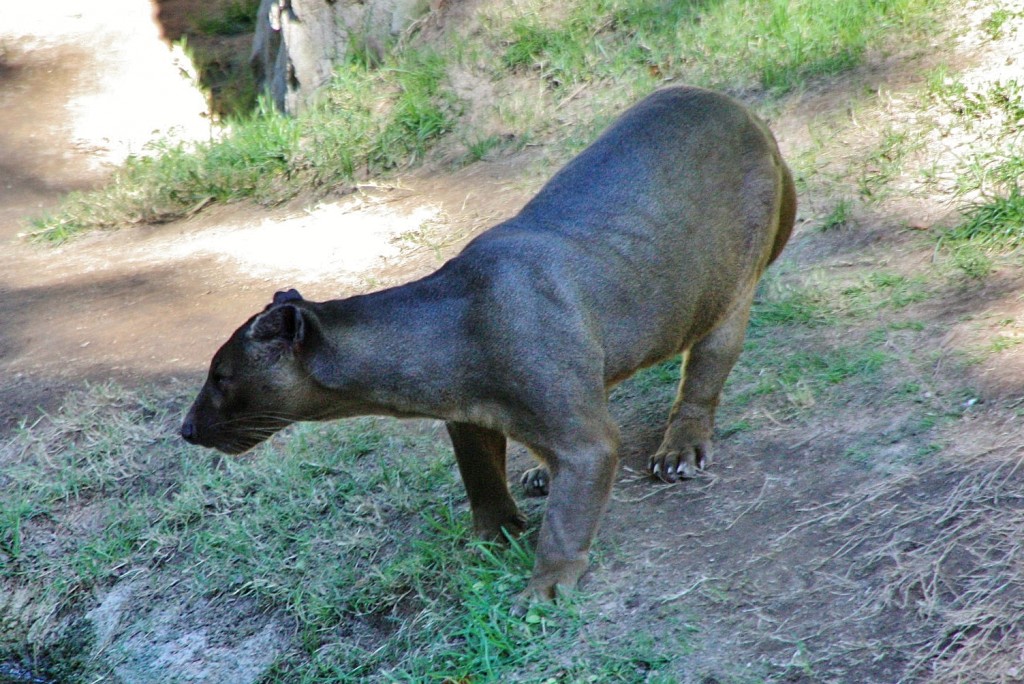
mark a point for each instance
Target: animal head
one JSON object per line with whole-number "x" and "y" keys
{"x": 257, "y": 384}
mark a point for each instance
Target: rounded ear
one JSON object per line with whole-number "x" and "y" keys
{"x": 286, "y": 296}
{"x": 284, "y": 323}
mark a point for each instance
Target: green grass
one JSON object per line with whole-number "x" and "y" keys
{"x": 995, "y": 22}
{"x": 880, "y": 289}
{"x": 995, "y": 225}
{"x": 222, "y": 65}
{"x": 480, "y": 147}
{"x": 237, "y": 16}
{"x": 807, "y": 306}
{"x": 360, "y": 527}
{"x": 818, "y": 370}
{"x": 885, "y": 163}
{"x": 776, "y": 45}
{"x": 791, "y": 359}
{"x": 984, "y": 165}
{"x": 992, "y": 111}
{"x": 809, "y": 372}
{"x": 839, "y": 217}
{"x": 819, "y": 302}
{"x": 661, "y": 374}
{"x": 368, "y": 121}
{"x": 357, "y": 525}
{"x": 989, "y": 229}
{"x": 1001, "y": 101}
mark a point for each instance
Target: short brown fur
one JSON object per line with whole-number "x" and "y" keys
{"x": 648, "y": 244}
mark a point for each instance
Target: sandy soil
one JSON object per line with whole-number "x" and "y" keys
{"x": 81, "y": 87}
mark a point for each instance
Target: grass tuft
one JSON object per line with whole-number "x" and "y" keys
{"x": 370, "y": 120}
{"x": 776, "y": 46}
{"x": 367, "y": 121}
{"x": 839, "y": 217}
{"x": 989, "y": 228}
{"x": 994, "y": 225}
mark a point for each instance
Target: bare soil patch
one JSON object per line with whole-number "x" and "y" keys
{"x": 152, "y": 303}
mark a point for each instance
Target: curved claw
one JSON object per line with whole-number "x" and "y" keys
{"x": 536, "y": 481}
{"x": 674, "y": 465}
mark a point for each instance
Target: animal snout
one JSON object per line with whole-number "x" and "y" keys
{"x": 188, "y": 429}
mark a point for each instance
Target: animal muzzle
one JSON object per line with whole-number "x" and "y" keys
{"x": 242, "y": 438}
{"x": 189, "y": 429}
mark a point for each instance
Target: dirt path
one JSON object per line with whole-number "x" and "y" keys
{"x": 80, "y": 88}
{"x": 154, "y": 302}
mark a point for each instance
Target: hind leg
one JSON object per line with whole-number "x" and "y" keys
{"x": 536, "y": 481}
{"x": 686, "y": 446}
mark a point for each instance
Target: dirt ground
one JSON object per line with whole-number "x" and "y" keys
{"x": 140, "y": 306}
{"x": 65, "y": 95}
{"x": 767, "y": 542}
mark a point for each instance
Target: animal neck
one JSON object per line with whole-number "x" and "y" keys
{"x": 393, "y": 352}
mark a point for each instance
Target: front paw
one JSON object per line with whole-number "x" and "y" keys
{"x": 674, "y": 464}
{"x": 501, "y": 527}
{"x": 536, "y": 481}
{"x": 551, "y": 584}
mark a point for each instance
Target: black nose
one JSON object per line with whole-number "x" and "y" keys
{"x": 188, "y": 431}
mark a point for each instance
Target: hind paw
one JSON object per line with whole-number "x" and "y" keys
{"x": 672, "y": 465}
{"x": 536, "y": 481}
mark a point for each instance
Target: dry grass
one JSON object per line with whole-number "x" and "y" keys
{"x": 936, "y": 553}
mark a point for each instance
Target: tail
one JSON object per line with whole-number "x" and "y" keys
{"x": 786, "y": 213}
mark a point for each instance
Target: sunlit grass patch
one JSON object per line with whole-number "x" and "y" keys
{"x": 774, "y": 45}
{"x": 371, "y": 119}
{"x": 990, "y": 228}
{"x": 367, "y": 121}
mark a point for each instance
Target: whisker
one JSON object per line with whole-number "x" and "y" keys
{"x": 257, "y": 419}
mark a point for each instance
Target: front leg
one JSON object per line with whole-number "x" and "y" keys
{"x": 582, "y": 474}
{"x": 480, "y": 453}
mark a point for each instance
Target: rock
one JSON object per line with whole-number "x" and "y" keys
{"x": 144, "y": 630}
{"x": 298, "y": 43}
{"x": 147, "y": 630}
